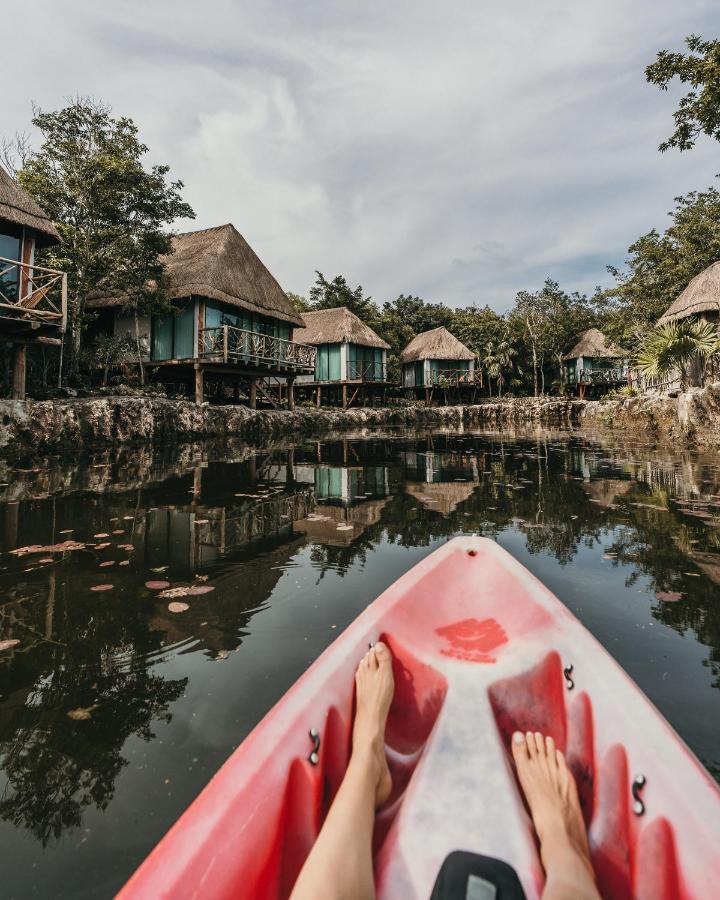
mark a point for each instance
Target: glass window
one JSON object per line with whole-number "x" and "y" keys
{"x": 10, "y": 248}
{"x": 162, "y": 329}
{"x": 184, "y": 338}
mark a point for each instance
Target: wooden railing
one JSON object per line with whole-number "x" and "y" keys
{"x": 228, "y": 344}
{"x": 453, "y": 377}
{"x": 33, "y": 293}
{"x": 617, "y": 375}
{"x": 358, "y": 371}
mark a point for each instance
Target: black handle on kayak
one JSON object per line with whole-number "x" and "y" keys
{"x": 637, "y": 786}
{"x": 567, "y": 672}
{"x": 315, "y": 738}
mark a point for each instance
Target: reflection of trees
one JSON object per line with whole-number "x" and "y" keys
{"x": 56, "y": 766}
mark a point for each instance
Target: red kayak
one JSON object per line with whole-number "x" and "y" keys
{"x": 481, "y": 648}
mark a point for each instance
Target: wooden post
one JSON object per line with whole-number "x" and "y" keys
{"x": 427, "y": 396}
{"x": 199, "y": 385}
{"x": 291, "y": 393}
{"x": 19, "y": 367}
{"x": 236, "y": 392}
{"x": 318, "y": 396}
{"x": 253, "y": 393}
{"x": 225, "y": 343}
{"x": 344, "y": 395}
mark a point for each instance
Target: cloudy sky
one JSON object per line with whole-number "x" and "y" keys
{"x": 459, "y": 150}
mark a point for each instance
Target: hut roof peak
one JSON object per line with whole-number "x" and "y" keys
{"x": 338, "y": 325}
{"x": 437, "y": 343}
{"x": 701, "y": 295}
{"x": 593, "y": 343}
{"x": 19, "y": 208}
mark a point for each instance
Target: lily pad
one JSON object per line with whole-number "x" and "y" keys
{"x": 197, "y": 589}
{"x": 177, "y": 607}
{"x": 102, "y": 587}
{"x": 157, "y": 585}
{"x": 669, "y": 596}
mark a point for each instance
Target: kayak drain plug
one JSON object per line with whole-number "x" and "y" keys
{"x": 315, "y": 738}
{"x": 567, "y": 672}
{"x": 637, "y": 786}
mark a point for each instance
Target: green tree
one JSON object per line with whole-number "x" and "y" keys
{"x": 671, "y": 347}
{"x": 660, "y": 266}
{"x": 88, "y": 175}
{"x": 326, "y": 294}
{"x": 698, "y": 111}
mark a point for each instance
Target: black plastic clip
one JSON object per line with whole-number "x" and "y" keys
{"x": 567, "y": 672}
{"x": 315, "y": 738}
{"x": 637, "y": 786}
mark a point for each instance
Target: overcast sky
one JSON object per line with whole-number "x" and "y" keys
{"x": 457, "y": 150}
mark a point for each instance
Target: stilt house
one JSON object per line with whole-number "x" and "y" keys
{"x": 351, "y": 358}
{"x": 232, "y": 322}
{"x": 594, "y": 362}
{"x": 33, "y": 299}
{"x": 435, "y": 359}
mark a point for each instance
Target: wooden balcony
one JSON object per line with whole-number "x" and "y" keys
{"x": 454, "y": 378}
{"x": 228, "y": 345}
{"x": 374, "y": 372}
{"x": 33, "y": 302}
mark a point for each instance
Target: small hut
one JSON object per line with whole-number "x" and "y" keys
{"x": 33, "y": 299}
{"x": 351, "y": 357}
{"x": 437, "y": 359}
{"x": 232, "y": 321}
{"x": 595, "y": 362}
{"x": 700, "y": 298}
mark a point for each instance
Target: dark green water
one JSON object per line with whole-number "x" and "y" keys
{"x": 295, "y": 542}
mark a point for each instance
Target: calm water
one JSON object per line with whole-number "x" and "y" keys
{"x": 295, "y": 542}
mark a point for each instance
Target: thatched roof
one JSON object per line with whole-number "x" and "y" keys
{"x": 593, "y": 343}
{"x": 337, "y": 326}
{"x": 19, "y": 208}
{"x": 701, "y": 295}
{"x": 441, "y": 496}
{"x": 435, "y": 344}
{"x": 218, "y": 263}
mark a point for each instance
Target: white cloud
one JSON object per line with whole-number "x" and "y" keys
{"x": 461, "y": 151}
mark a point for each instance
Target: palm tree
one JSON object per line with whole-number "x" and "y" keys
{"x": 504, "y": 354}
{"x": 671, "y": 346}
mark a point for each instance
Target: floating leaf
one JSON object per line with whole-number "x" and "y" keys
{"x": 201, "y": 521}
{"x": 197, "y": 589}
{"x": 103, "y": 546}
{"x": 81, "y": 713}
{"x": 669, "y": 596}
{"x": 177, "y": 607}
{"x": 124, "y": 562}
{"x": 102, "y": 587}
{"x": 46, "y": 559}
{"x": 108, "y": 562}
{"x": 201, "y": 578}
{"x": 119, "y": 531}
{"x": 126, "y": 547}
{"x": 221, "y": 655}
{"x": 66, "y": 531}
{"x": 48, "y": 548}
{"x": 8, "y": 643}
{"x": 101, "y": 534}
{"x": 157, "y": 585}
{"x": 160, "y": 569}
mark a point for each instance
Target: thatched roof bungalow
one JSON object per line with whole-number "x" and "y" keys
{"x": 434, "y": 355}
{"x": 700, "y": 298}
{"x": 595, "y": 360}
{"x": 347, "y": 348}
{"x": 33, "y": 300}
{"x": 231, "y": 315}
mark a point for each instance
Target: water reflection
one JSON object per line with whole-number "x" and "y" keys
{"x": 627, "y": 536}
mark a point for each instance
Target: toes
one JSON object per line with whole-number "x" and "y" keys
{"x": 519, "y": 748}
{"x": 531, "y": 747}
{"x": 539, "y": 744}
{"x": 382, "y": 654}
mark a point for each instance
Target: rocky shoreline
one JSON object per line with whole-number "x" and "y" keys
{"x": 85, "y": 424}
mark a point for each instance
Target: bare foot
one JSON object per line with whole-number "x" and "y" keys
{"x": 552, "y": 796}
{"x": 374, "y": 688}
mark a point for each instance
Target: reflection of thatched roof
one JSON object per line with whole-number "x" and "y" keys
{"x": 605, "y": 490}
{"x": 435, "y": 344}
{"x": 593, "y": 343}
{"x": 218, "y": 263}
{"x": 337, "y": 326}
{"x": 324, "y": 528}
{"x": 701, "y": 295}
{"x": 708, "y": 563}
{"x": 442, "y": 496}
{"x": 19, "y": 208}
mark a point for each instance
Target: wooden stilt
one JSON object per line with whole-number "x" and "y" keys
{"x": 199, "y": 385}
{"x": 427, "y": 396}
{"x": 318, "y": 396}
{"x": 344, "y": 396}
{"x": 19, "y": 368}
{"x": 291, "y": 393}
{"x": 236, "y": 392}
{"x": 253, "y": 393}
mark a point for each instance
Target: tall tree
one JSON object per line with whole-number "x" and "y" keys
{"x": 88, "y": 175}
{"x": 660, "y": 265}
{"x": 698, "y": 111}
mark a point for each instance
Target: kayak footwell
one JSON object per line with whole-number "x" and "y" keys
{"x": 480, "y": 649}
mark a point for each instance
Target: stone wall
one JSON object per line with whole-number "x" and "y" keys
{"x": 74, "y": 425}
